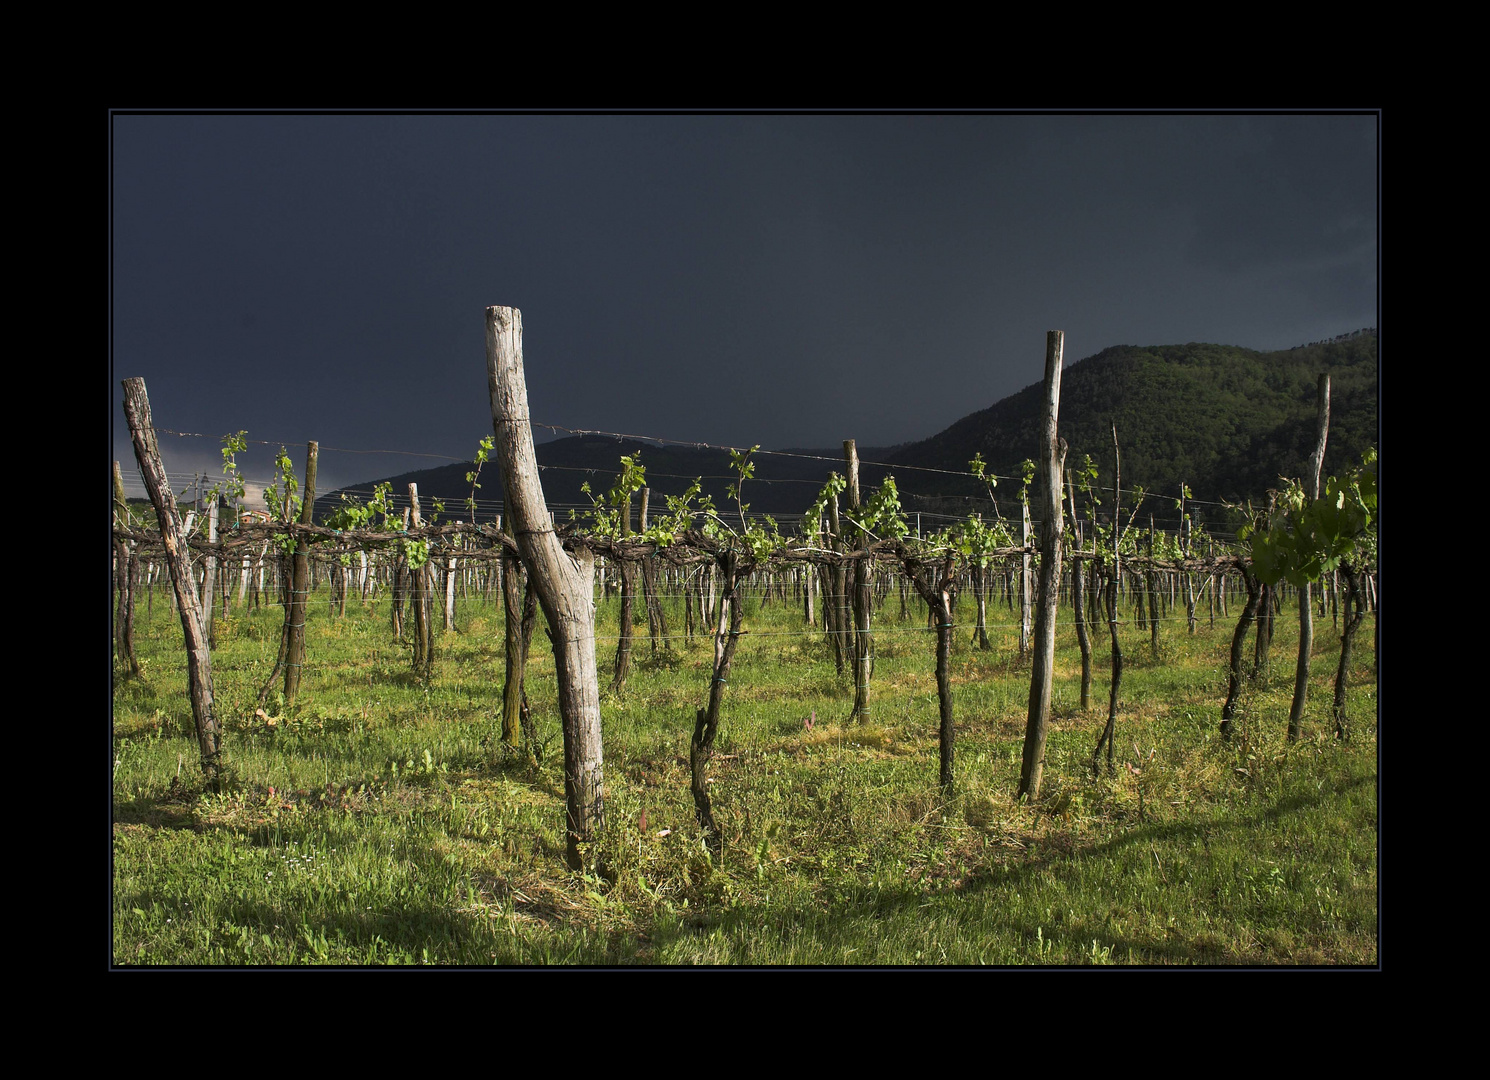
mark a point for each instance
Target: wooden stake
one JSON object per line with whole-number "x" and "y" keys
{"x": 1078, "y": 611}
{"x": 1306, "y": 607}
{"x": 1109, "y": 732}
{"x": 421, "y": 591}
{"x": 173, "y": 537}
{"x": 1052, "y": 462}
{"x": 209, "y": 577}
{"x": 564, "y": 582}
{"x": 863, "y": 599}
{"x": 1024, "y": 582}
{"x": 127, "y": 563}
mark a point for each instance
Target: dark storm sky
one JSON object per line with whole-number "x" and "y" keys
{"x": 782, "y": 280}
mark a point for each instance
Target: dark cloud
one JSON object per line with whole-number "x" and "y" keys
{"x": 782, "y": 280}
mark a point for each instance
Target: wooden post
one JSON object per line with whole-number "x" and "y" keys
{"x": 450, "y": 577}
{"x": 1024, "y": 582}
{"x": 420, "y": 595}
{"x": 300, "y": 582}
{"x": 128, "y": 571}
{"x": 209, "y": 577}
{"x": 836, "y": 607}
{"x": 1152, "y": 579}
{"x": 656, "y": 620}
{"x": 564, "y": 582}
{"x": 863, "y": 600}
{"x": 1216, "y": 581}
{"x": 173, "y": 537}
{"x": 1052, "y": 462}
{"x": 1078, "y": 610}
{"x": 1110, "y": 731}
{"x": 1306, "y": 612}
{"x": 399, "y": 586}
{"x": 621, "y": 670}
{"x": 1185, "y": 534}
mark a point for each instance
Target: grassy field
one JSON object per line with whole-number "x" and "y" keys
{"x": 379, "y": 820}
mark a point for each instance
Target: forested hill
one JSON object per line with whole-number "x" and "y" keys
{"x": 1225, "y": 420}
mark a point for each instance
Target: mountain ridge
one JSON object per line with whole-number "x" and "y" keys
{"x": 1224, "y": 420}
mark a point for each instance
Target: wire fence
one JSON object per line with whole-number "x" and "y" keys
{"x": 1163, "y": 512}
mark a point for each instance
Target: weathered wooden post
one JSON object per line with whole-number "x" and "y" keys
{"x": 656, "y": 619}
{"x": 1052, "y": 461}
{"x": 209, "y": 576}
{"x": 1185, "y": 535}
{"x": 399, "y": 585}
{"x": 1151, "y": 578}
{"x": 421, "y": 595}
{"x": 564, "y": 582}
{"x": 173, "y": 536}
{"x": 1078, "y": 610}
{"x": 836, "y": 607}
{"x": 300, "y": 582}
{"x": 621, "y": 669}
{"x": 1109, "y": 732}
{"x": 863, "y": 599}
{"x": 127, "y": 563}
{"x": 1025, "y": 582}
{"x": 1306, "y": 612}
{"x": 450, "y": 577}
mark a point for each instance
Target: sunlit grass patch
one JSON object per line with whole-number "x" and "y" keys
{"x": 379, "y": 820}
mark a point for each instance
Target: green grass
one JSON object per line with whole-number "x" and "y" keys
{"x": 378, "y": 820}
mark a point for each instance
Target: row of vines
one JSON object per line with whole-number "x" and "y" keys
{"x": 853, "y": 553}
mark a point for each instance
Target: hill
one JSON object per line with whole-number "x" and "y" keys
{"x": 1225, "y": 420}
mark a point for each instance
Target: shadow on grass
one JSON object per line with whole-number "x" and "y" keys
{"x": 1052, "y": 869}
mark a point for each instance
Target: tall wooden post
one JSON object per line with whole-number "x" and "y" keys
{"x": 1025, "y": 583}
{"x": 863, "y": 598}
{"x": 1152, "y": 579}
{"x": 1052, "y": 461}
{"x": 209, "y": 576}
{"x": 173, "y": 536}
{"x": 420, "y": 597}
{"x": 621, "y": 669}
{"x": 1306, "y": 613}
{"x": 300, "y": 582}
{"x": 128, "y": 569}
{"x": 837, "y": 583}
{"x": 1109, "y": 732}
{"x": 656, "y": 620}
{"x": 450, "y": 578}
{"x": 1078, "y": 610}
{"x": 1185, "y": 534}
{"x": 564, "y": 582}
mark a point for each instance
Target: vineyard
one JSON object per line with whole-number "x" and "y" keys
{"x": 336, "y": 743}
